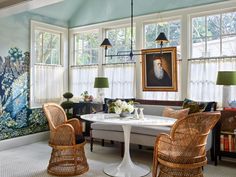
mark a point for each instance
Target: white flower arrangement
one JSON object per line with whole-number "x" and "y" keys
{"x": 123, "y": 106}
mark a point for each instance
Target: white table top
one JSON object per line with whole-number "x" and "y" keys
{"x": 116, "y": 119}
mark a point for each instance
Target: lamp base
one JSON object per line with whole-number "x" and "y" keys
{"x": 226, "y": 96}
{"x": 100, "y": 97}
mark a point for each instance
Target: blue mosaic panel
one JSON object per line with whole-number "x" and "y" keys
{"x": 16, "y": 119}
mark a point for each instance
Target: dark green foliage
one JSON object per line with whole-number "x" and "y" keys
{"x": 68, "y": 95}
{"x": 67, "y": 104}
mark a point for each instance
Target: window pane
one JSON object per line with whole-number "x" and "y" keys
{"x": 198, "y": 48}
{"x": 39, "y": 46}
{"x": 213, "y": 26}
{"x": 198, "y": 27}
{"x": 229, "y": 45}
{"x": 120, "y": 39}
{"x": 86, "y": 48}
{"x": 229, "y": 23}
{"x": 213, "y": 47}
{"x": 150, "y": 34}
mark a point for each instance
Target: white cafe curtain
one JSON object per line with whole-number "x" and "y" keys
{"x": 121, "y": 80}
{"x": 82, "y": 79}
{"x": 202, "y": 78}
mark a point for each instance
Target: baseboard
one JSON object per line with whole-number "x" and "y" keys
{"x": 23, "y": 140}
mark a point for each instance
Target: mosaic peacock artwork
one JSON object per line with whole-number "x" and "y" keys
{"x": 16, "y": 118}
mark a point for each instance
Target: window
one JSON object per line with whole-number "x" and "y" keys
{"x": 120, "y": 70}
{"x": 86, "y": 46}
{"x": 120, "y": 39}
{"x": 214, "y": 35}
{"x": 47, "y": 47}
{"x": 85, "y": 63}
{"x": 214, "y": 40}
{"x": 172, "y": 29}
{"x": 48, "y": 64}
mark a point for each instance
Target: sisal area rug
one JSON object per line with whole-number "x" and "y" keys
{"x": 32, "y": 160}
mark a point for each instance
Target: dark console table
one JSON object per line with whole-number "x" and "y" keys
{"x": 82, "y": 108}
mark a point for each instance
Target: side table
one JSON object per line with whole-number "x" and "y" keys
{"x": 82, "y": 108}
{"x": 225, "y": 137}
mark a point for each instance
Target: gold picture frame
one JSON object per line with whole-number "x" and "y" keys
{"x": 159, "y": 71}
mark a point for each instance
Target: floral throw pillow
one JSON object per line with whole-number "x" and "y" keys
{"x": 177, "y": 114}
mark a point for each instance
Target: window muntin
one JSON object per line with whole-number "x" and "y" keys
{"x": 47, "y": 47}
{"x": 120, "y": 39}
{"x": 86, "y": 46}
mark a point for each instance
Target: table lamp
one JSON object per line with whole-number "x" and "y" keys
{"x": 226, "y": 78}
{"x": 100, "y": 83}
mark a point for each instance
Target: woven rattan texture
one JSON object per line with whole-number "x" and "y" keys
{"x": 67, "y": 157}
{"x": 182, "y": 153}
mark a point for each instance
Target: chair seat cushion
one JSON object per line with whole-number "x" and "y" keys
{"x": 79, "y": 139}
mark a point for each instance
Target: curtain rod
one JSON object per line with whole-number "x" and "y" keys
{"x": 211, "y": 58}
{"x": 121, "y": 63}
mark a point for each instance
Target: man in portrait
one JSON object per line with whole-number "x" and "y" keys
{"x": 157, "y": 75}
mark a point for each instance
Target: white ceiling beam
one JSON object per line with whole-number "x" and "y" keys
{"x": 26, "y": 6}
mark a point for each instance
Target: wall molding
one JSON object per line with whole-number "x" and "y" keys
{"x": 23, "y": 140}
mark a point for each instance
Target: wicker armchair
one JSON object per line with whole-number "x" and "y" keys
{"x": 67, "y": 157}
{"x": 182, "y": 153}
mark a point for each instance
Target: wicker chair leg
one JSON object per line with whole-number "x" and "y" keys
{"x": 121, "y": 149}
{"x": 154, "y": 168}
{"x": 91, "y": 144}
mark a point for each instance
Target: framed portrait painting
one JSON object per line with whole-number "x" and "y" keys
{"x": 159, "y": 71}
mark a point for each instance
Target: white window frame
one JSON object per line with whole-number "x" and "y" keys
{"x": 35, "y": 25}
{"x": 205, "y": 14}
{"x": 73, "y": 45}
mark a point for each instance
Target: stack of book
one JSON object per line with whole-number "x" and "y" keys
{"x": 228, "y": 141}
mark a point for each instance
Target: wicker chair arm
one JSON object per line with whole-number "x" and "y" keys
{"x": 76, "y": 124}
{"x": 164, "y": 142}
{"x": 63, "y": 135}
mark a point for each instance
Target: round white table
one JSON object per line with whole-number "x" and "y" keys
{"x": 127, "y": 168}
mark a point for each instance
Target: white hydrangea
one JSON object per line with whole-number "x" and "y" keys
{"x": 118, "y": 110}
{"x": 130, "y": 108}
{"x": 123, "y": 106}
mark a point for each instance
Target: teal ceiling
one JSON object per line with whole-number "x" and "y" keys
{"x": 83, "y": 12}
{"x": 62, "y": 11}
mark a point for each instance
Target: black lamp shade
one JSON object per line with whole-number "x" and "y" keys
{"x": 161, "y": 38}
{"x": 106, "y": 43}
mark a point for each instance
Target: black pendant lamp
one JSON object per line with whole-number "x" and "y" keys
{"x": 107, "y": 44}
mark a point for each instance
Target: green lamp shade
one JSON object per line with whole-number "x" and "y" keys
{"x": 101, "y": 82}
{"x": 226, "y": 78}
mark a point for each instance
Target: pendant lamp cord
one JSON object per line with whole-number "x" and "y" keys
{"x": 132, "y": 25}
